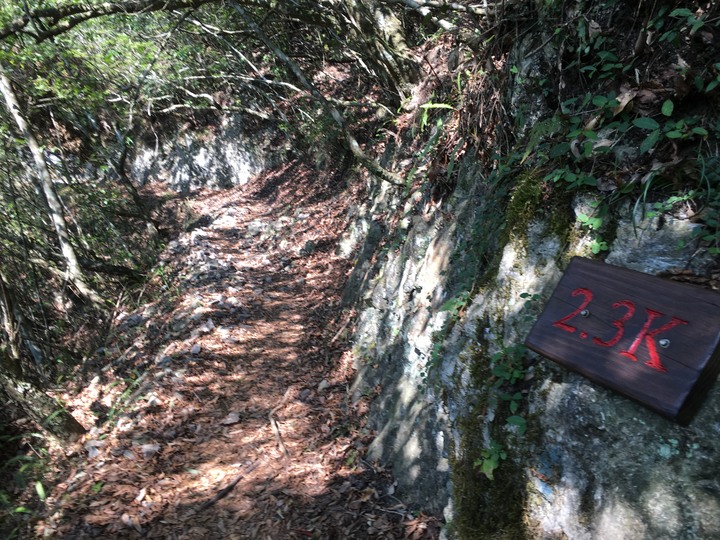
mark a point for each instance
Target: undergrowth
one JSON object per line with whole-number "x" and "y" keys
{"x": 23, "y": 462}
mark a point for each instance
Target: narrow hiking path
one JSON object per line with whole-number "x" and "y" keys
{"x": 221, "y": 403}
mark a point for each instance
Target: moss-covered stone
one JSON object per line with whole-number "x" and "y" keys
{"x": 533, "y": 197}
{"x": 488, "y": 508}
{"x": 491, "y": 509}
{"x": 516, "y": 202}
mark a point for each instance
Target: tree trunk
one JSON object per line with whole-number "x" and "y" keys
{"x": 41, "y": 408}
{"x": 55, "y": 211}
{"x": 14, "y": 326}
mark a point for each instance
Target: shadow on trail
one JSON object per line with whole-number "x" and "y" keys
{"x": 238, "y": 423}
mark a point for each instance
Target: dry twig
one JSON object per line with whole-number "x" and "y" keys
{"x": 274, "y": 424}
{"x": 224, "y": 492}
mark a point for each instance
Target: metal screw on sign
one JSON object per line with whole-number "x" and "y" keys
{"x": 664, "y": 343}
{"x": 585, "y": 312}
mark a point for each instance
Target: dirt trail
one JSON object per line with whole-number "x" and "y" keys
{"x": 236, "y": 421}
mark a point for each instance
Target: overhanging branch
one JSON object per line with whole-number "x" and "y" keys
{"x": 372, "y": 165}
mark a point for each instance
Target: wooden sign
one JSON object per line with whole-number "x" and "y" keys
{"x": 653, "y": 340}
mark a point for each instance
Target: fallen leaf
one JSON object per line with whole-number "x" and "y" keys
{"x": 232, "y": 418}
{"x": 624, "y": 99}
{"x": 140, "y": 495}
{"x": 132, "y": 522}
{"x": 149, "y": 450}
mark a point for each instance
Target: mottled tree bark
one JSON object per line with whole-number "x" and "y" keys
{"x": 378, "y": 28}
{"x": 10, "y": 324}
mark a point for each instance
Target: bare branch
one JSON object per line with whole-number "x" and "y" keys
{"x": 54, "y": 205}
{"x": 372, "y": 165}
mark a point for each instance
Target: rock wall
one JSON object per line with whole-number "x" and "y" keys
{"x": 223, "y": 155}
{"x": 589, "y": 463}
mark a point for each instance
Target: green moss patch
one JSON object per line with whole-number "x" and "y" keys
{"x": 488, "y": 508}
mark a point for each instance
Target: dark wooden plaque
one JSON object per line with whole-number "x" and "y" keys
{"x": 653, "y": 340}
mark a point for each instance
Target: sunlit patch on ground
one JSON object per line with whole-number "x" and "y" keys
{"x": 221, "y": 409}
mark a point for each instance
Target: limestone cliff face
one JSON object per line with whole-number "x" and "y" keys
{"x": 227, "y": 154}
{"x": 591, "y": 463}
{"x": 446, "y": 297}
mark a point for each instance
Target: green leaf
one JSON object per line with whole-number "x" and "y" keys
{"x": 588, "y": 180}
{"x": 519, "y": 422}
{"x": 488, "y": 467}
{"x": 644, "y": 122}
{"x": 674, "y": 134}
{"x": 670, "y": 35}
{"x": 650, "y": 141}
{"x": 696, "y": 25}
{"x": 40, "y": 490}
{"x": 667, "y": 107}
{"x": 598, "y": 246}
{"x": 559, "y": 149}
{"x": 700, "y": 131}
{"x": 607, "y": 56}
{"x": 501, "y": 372}
{"x": 681, "y": 12}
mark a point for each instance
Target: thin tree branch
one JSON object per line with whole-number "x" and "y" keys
{"x": 372, "y": 165}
